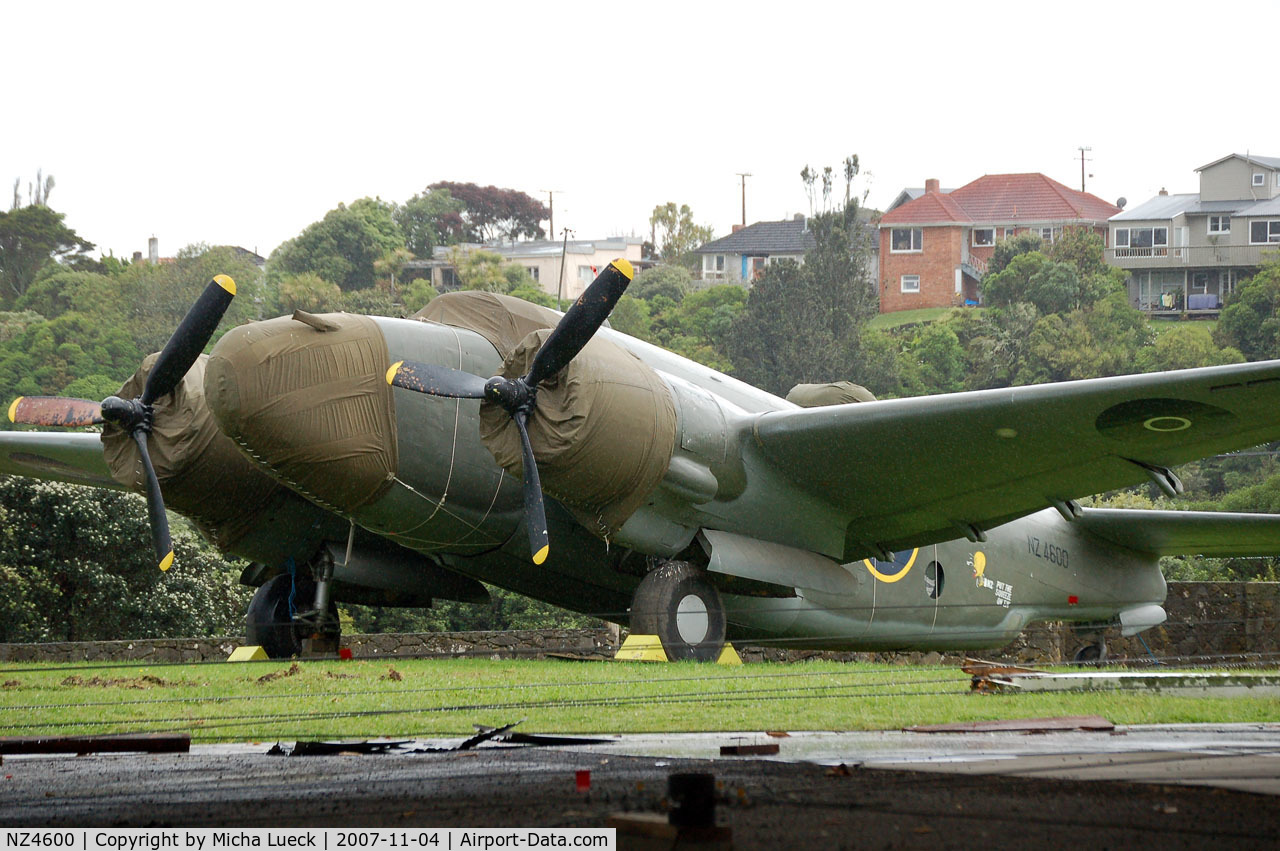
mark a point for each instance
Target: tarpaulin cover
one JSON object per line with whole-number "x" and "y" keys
{"x": 604, "y": 428}
{"x": 833, "y": 393}
{"x": 202, "y": 473}
{"x": 313, "y": 405}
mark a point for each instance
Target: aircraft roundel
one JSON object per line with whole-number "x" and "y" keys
{"x": 893, "y": 570}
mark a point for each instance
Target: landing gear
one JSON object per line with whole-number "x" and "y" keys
{"x": 272, "y": 624}
{"x": 1093, "y": 651}
{"x": 676, "y": 603}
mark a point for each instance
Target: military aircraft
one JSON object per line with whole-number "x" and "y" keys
{"x": 397, "y": 461}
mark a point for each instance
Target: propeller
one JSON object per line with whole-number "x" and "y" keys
{"x": 136, "y": 416}
{"x": 518, "y": 396}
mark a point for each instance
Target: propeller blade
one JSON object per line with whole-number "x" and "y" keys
{"x": 189, "y": 340}
{"x": 155, "y": 505}
{"x": 55, "y": 411}
{"x": 535, "y": 513}
{"x": 435, "y": 380}
{"x": 581, "y": 321}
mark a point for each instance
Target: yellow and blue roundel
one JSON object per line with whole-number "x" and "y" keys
{"x": 892, "y": 571}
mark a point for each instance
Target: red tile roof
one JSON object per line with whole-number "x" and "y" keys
{"x": 1000, "y": 198}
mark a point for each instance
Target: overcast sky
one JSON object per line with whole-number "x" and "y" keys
{"x": 241, "y": 123}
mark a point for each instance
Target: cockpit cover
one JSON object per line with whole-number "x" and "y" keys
{"x": 604, "y": 428}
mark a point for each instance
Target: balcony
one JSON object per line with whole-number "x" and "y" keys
{"x": 1168, "y": 257}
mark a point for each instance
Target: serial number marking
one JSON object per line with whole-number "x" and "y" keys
{"x": 1047, "y": 551}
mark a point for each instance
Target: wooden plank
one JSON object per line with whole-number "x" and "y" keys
{"x": 126, "y": 743}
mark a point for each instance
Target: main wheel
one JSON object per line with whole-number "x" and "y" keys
{"x": 1091, "y": 653}
{"x": 269, "y": 622}
{"x": 676, "y": 603}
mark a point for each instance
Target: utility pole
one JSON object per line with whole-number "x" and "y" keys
{"x": 1082, "y": 149}
{"x": 744, "y": 176}
{"x": 551, "y": 204}
{"x": 564, "y": 247}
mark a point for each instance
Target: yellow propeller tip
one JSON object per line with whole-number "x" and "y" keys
{"x": 13, "y": 410}
{"x": 226, "y": 283}
{"x": 541, "y": 555}
{"x": 391, "y": 373}
{"x": 167, "y": 561}
{"x": 624, "y": 266}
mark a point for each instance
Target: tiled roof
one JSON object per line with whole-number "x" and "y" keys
{"x": 1004, "y": 198}
{"x": 790, "y": 236}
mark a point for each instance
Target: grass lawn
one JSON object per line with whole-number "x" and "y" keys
{"x": 405, "y": 697}
{"x": 885, "y": 321}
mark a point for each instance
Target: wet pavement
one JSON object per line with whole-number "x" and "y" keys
{"x": 889, "y": 789}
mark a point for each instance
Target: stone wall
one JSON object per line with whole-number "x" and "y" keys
{"x": 1205, "y": 618}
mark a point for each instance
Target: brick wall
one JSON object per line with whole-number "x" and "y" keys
{"x": 935, "y": 263}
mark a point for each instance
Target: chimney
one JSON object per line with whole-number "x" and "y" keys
{"x": 153, "y": 250}
{"x": 1164, "y": 191}
{"x": 931, "y": 185}
{"x": 737, "y": 228}
{"x": 137, "y": 257}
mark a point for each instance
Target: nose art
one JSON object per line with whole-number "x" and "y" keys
{"x": 306, "y": 398}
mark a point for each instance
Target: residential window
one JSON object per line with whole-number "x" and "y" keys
{"x": 713, "y": 265}
{"x": 1219, "y": 224}
{"x": 1264, "y": 231}
{"x": 911, "y": 283}
{"x": 1145, "y": 239}
{"x": 586, "y": 274}
{"x": 533, "y": 271}
{"x": 984, "y": 237}
{"x": 906, "y": 239}
{"x": 1008, "y": 232}
{"x": 1259, "y": 179}
{"x": 1049, "y": 234}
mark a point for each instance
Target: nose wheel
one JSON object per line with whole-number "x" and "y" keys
{"x": 678, "y": 604}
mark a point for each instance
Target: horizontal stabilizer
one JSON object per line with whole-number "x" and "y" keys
{"x": 1171, "y": 533}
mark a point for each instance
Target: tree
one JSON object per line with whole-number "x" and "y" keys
{"x": 803, "y": 323}
{"x": 308, "y": 292}
{"x": 672, "y": 281}
{"x": 1010, "y": 247}
{"x": 343, "y": 247}
{"x": 1185, "y": 346}
{"x": 67, "y": 576}
{"x": 1035, "y": 279}
{"x": 675, "y": 233}
{"x": 1250, "y": 321}
{"x": 428, "y": 219}
{"x": 489, "y": 213}
{"x": 31, "y": 237}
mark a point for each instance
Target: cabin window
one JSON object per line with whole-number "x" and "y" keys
{"x": 933, "y": 580}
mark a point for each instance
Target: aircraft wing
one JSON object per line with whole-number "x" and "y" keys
{"x": 1169, "y": 533}
{"x": 74, "y": 457}
{"x": 909, "y": 472}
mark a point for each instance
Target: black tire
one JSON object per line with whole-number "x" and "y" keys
{"x": 268, "y": 622}
{"x": 676, "y": 603}
{"x": 1091, "y": 653}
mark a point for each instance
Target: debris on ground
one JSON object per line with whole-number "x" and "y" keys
{"x": 144, "y": 681}
{"x": 293, "y": 670}
{"x": 122, "y": 743}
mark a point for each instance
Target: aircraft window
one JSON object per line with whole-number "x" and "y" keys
{"x": 933, "y": 580}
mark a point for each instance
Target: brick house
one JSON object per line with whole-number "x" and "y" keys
{"x": 934, "y": 247}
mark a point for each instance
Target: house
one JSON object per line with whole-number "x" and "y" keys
{"x": 581, "y": 259}
{"x": 1185, "y": 253}
{"x": 934, "y": 247}
{"x": 744, "y": 254}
